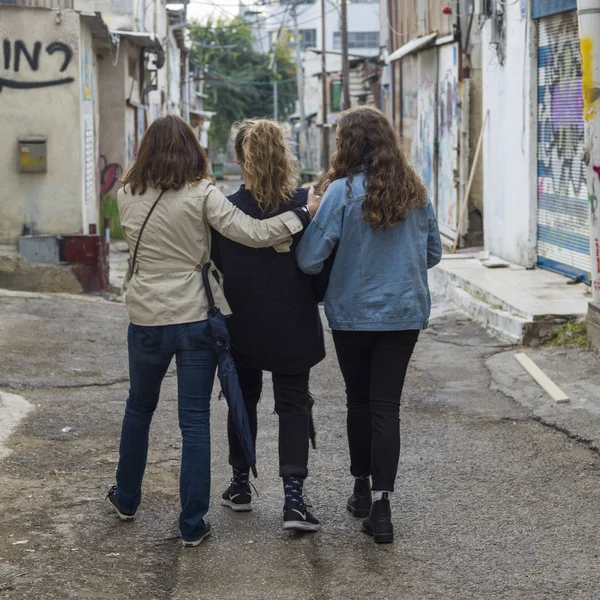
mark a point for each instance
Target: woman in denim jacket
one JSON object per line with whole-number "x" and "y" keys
{"x": 167, "y": 305}
{"x": 376, "y": 218}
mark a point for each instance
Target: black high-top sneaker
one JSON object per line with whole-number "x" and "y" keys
{"x": 238, "y": 496}
{"x": 379, "y": 522}
{"x": 359, "y": 504}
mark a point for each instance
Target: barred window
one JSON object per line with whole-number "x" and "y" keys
{"x": 357, "y": 39}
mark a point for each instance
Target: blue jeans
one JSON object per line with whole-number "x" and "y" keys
{"x": 151, "y": 350}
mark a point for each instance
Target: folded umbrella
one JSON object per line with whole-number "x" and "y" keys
{"x": 312, "y": 433}
{"x": 228, "y": 378}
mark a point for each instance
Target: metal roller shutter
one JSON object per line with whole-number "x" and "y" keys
{"x": 563, "y": 224}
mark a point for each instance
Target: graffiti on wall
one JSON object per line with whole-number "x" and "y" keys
{"x": 109, "y": 175}
{"x": 17, "y": 55}
{"x": 560, "y": 114}
{"x": 563, "y": 203}
{"x": 425, "y": 146}
{"x": 447, "y": 135}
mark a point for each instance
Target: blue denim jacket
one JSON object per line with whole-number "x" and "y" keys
{"x": 378, "y": 280}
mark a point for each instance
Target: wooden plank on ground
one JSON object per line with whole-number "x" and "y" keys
{"x": 542, "y": 379}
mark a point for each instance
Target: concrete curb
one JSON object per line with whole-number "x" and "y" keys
{"x": 13, "y": 409}
{"x": 506, "y": 321}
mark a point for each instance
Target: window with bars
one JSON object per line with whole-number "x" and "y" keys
{"x": 357, "y": 39}
{"x": 308, "y": 38}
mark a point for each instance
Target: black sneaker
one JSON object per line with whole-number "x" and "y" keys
{"x": 359, "y": 504}
{"x": 198, "y": 541}
{"x": 237, "y": 498}
{"x": 112, "y": 498}
{"x": 295, "y": 519}
{"x": 379, "y": 522}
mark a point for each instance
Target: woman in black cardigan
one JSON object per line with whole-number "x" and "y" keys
{"x": 275, "y": 324}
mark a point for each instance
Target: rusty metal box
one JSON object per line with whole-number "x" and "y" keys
{"x": 32, "y": 154}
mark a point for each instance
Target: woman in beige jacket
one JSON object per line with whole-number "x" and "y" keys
{"x": 167, "y": 190}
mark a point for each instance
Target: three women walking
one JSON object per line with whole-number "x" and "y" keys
{"x": 369, "y": 244}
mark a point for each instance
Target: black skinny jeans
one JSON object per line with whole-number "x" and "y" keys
{"x": 292, "y": 405}
{"x": 374, "y": 365}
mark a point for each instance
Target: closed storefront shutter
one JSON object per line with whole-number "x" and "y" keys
{"x": 563, "y": 224}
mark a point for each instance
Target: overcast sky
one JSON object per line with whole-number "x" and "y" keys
{"x": 201, "y": 9}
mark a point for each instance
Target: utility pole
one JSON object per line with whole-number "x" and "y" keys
{"x": 345, "y": 65}
{"x": 325, "y": 127}
{"x": 589, "y": 39}
{"x": 300, "y": 84}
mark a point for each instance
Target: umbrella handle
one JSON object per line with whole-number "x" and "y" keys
{"x": 212, "y": 307}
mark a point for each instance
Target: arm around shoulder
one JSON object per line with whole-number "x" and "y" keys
{"x": 235, "y": 225}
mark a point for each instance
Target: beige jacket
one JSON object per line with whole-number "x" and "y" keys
{"x": 167, "y": 287}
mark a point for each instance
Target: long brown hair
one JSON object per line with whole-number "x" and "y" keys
{"x": 168, "y": 158}
{"x": 269, "y": 168}
{"x": 367, "y": 142}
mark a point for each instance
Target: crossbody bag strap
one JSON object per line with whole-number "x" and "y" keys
{"x": 137, "y": 244}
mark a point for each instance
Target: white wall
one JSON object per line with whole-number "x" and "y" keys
{"x": 362, "y": 16}
{"x": 52, "y": 202}
{"x": 509, "y": 146}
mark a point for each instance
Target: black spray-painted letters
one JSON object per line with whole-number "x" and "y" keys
{"x": 13, "y": 52}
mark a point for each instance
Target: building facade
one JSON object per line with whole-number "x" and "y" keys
{"x": 432, "y": 92}
{"x": 77, "y": 90}
{"x": 363, "y": 24}
{"x": 532, "y": 91}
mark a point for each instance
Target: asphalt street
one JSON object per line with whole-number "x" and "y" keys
{"x": 490, "y": 502}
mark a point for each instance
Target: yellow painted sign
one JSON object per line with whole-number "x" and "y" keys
{"x": 591, "y": 94}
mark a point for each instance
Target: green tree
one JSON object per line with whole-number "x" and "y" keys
{"x": 238, "y": 80}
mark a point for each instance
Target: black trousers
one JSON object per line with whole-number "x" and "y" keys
{"x": 292, "y": 405}
{"x": 374, "y": 364}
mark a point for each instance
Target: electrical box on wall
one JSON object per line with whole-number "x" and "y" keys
{"x": 32, "y": 154}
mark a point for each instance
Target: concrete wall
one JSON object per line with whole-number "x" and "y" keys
{"x": 49, "y": 202}
{"x": 112, "y": 101}
{"x": 509, "y": 146}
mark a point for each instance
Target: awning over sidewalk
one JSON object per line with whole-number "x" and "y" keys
{"x": 412, "y": 46}
{"x": 146, "y": 40}
{"x": 100, "y": 32}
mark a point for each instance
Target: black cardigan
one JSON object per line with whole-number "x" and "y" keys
{"x": 275, "y": 324}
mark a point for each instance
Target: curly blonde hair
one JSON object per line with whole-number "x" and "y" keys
{"x": 269, "y": 168}
{"x": 367, "y": 142}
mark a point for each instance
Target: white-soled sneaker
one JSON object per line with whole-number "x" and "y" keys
{"x": 299, "y": 519}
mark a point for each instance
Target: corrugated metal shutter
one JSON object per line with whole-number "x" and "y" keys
{"x": 563, "y": 225}
{"x": 409, "y": 103}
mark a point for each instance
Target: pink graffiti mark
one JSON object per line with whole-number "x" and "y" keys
{"x": 109, "y": 175}
{"x": 596, "y": 170}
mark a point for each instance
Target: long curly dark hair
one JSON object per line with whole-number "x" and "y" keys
{"x": 367, "y": 142}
